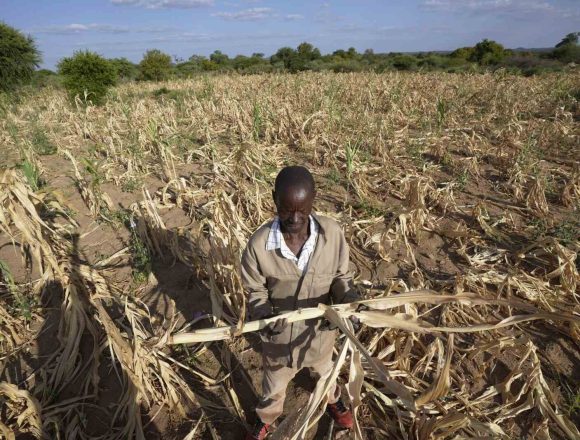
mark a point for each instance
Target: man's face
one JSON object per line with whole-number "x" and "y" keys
{"x": 294, "y": 205}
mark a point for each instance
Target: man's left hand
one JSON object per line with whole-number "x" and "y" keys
{"x": 356, "y": 321}
{"x": 275, "y": 328}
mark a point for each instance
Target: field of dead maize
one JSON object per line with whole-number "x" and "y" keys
{"x": 122, "y": 226}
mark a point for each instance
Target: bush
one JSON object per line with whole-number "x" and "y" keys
{"x": 530, "y": 65}
{"x": 155, "y": 66}
{"x": 19, "y": 57}
{"x": 124, "y": 68}
{"x": 404, "y": 62}
{"x": 488, "y": 52}
{"x": 463, "y": 53}
{"x": 567, "y": 53}
{"x": 87, "y": 75}
{"x": 433, "y": 61}
{"x": 44, "y": 78}
{"x": 347, "y": 66}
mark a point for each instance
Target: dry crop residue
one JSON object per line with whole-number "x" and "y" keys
{"x": 132, "y": 230}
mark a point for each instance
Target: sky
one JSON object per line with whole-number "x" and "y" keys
{"x": 181, "y": 28}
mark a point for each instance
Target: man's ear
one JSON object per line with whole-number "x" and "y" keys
{"x": 274, "y": 197}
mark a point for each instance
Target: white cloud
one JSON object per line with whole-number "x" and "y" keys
{"x": 252, "y": 14}
{"x": 165, "y": 4}
{"x": 508, "y": 6}
{"x": 293, "y": 17}
{"x": 79, "y": 28}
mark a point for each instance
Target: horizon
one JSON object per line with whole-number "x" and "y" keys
{"x": 181, "y": 28}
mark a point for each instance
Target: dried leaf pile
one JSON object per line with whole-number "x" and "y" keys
{"x": 461, "y": 216}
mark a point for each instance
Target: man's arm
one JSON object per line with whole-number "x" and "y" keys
{"x": 342, "y": 288}
{"x": 254, "y": 282}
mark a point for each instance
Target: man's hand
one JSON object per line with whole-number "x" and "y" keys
{"x": 275, "y": 328}
{"x": 327, "y": 325}
{"x": 355, "y": 321}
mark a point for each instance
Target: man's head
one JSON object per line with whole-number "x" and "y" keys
{"x": 294, "y": 194}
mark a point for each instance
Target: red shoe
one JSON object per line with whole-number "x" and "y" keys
{"x": 341, "y": 415}
{"x": 259, "y": 431}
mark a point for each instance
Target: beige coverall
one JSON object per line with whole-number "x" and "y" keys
{"x": 275, "y": 285}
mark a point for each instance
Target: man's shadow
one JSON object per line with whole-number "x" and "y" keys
{"x": 34, "y": 369}
{"x": 178, "y": 293}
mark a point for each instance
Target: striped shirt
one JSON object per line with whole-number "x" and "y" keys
{"x": 276, "y": 241}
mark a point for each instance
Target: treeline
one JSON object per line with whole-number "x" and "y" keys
{"x": 87, "y": 75}
{"x": 485, "y": 55}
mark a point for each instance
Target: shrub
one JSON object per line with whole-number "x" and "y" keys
{"x": 87, "y": 75}
{"x": 404, "y": 62}
{"x": 124, "y": 68}
{"x": 347, "y": 65}
{"x": 19, "y": 57}
{"x": 44, "y": 78}
{"x": 530, "y": 65}
{"x": 155, "y": 66}
{"x": 433, "y": 61}
{"x": 567, "y": 53}
{"x": 464, "y": 53}
{"x": 488, "y": 52}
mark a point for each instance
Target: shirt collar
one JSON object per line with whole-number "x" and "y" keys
{"x": 276, "y": 240}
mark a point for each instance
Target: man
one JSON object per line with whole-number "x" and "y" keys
{"x": 297, "y": 260}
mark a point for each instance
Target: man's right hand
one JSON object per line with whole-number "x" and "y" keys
{"x": 275, "y": 328}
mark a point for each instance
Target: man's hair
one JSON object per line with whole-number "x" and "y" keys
{"x": 294, "y": 177}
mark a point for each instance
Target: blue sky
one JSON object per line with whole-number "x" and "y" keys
{"x": 127, "y": 28}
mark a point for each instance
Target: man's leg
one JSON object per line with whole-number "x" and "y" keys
{"x": 322, "y": 368}
{"x": 338, "y": 411}
{"x": 274, "y": 384}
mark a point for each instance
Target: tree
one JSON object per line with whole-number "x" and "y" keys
{"x": 488, "y": 52}
{"x": 248, "y": 64}
{"x": 307, "y": 51}
{"x": 404, "y": 62}
{"x": 19, "y": 57}
{"x": 369, "y": 56}
{"x": 568, "y": 53}
{"x": 464, "y": 53}
{"x": 87, "y": 75}
{"x": 571, "y": 38}
{"x": 125, "y": 69}
{"x": 221, "y": 59}
{"x": 284, "y": 56}
{"x": 155, "y": 66}
{"x": 567, "y": 50}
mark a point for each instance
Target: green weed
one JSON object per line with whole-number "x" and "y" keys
{"x": 93, "y": 167}
{"x": 130, "y": 185}
{"x": 141, "y": 259}
{"x": 415, "y": 150}
{"x": 22, "y": 305}
{"x": 573, "y": 406}
{"x": 257, "y": 122}
{"x": 442, "y": 108}
{"x": 567, "y": 232}
{"x": 41, "y": 144}
{"x": 351, "y": 151}
{"x": 462, "y": 179}
{"x": 334, "y": 176}
{"x": 369, "y": 208}
{"x": 529, "y": 156}
{"x": 32, "y": 174}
